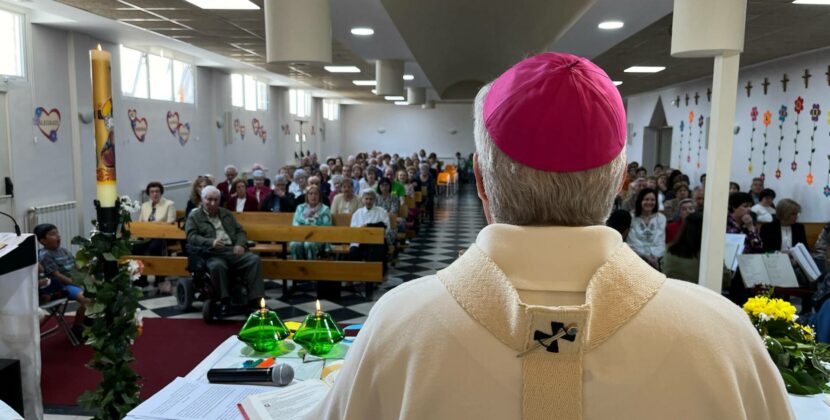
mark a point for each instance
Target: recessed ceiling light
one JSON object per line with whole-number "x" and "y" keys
{"x": 644, "y": 69}
{"x": 617, "y": 82}
{"x": 342, "y": 69}
{"x": 363, "y": 31}
{"x": 408, "y": 77}
{"x": 610, "y": 24}
{"x": 401, "y": 103}
{"x": 818, "y": 2}
{"x": 365, "y": 82}
{"x": 394, "y": 98}
{"x": 224, "y": 4}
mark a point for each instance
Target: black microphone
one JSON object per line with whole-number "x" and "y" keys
{"x": 279, "y": 375}
{"x": 16, "y": 226}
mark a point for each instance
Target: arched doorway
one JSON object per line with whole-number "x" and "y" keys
{"x": 657, "y": 139}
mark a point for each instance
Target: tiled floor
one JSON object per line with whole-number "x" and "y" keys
{"x": 458, "y": 220}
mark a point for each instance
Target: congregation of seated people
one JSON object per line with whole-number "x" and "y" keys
{"x": 660, "y": 217}
{"x": 361, "y": 185}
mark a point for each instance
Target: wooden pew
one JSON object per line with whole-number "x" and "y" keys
{"x": 813, "y": 230}
{"x": 265, "y": 229}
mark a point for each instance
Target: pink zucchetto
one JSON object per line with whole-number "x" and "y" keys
{"x": 556, "y": 112}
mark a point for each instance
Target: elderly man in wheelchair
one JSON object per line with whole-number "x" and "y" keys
{"x": 215, "y": 235}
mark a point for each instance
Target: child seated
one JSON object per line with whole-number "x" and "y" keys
{"x": 58, "y": 266}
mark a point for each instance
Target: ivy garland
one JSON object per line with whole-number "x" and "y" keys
{"x": 107, "y": 280}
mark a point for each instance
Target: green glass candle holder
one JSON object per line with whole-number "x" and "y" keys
{"x": 318, "y": 334}
{"x": 263, "y": 330}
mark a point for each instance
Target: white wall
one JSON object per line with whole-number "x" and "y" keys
{"x": 44, "y": 172}
{"x": 791, "y": 184}
{"x": 408, "y": 129}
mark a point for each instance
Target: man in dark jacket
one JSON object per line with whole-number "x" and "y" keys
{"x": 279, "y": 200}
{"x": 214, "y": 227}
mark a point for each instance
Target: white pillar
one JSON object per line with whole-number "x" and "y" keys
{"x": 416, "y": 95}
{"x": 714, "y": 28}
{"x": 297, "y": 31}
{"x": 718, "y": 165}
{"x": 389, "y": 78}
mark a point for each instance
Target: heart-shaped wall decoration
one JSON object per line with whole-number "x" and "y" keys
{"x": 263, "y": 135}
{"x": 139, "y": 128}
{"x": 242, "y": 132}
{"x": 256, "y": 126}
{"x": 184, "y": 133}
{"x": 48, "y": 122}
{"x": 173, "y": 122}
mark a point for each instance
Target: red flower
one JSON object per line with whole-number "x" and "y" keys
{"x": 754, "y": 113}
{"x": 691, "y": 116}
{"x": 778, "y": 173}
{"x": 799, "y": 105}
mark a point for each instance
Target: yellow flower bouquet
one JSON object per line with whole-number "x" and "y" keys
{"x": 791, "y": 345}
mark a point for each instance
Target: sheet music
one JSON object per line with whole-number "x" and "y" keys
{"x": 190, "y": 400}
{"x": 734, "y": 246}
{"x": 805, "y": 261}
{"x": 772, "y": 269}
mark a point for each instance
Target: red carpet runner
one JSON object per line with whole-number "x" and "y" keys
{"x": 168, "y": 348}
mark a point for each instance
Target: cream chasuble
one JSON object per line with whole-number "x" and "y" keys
{"x": 555, "y": 323}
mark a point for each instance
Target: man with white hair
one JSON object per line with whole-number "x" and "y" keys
{"x": 370, "y": 215}
{"x": 214, "y": 227}
{"x": 549, "y": 314}
{"x": 224, "y": 187}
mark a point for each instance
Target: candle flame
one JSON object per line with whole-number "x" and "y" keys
{"x": 99, "y": 47}
{"x": 318, "y": 305}
{"x": 262, "y": 303}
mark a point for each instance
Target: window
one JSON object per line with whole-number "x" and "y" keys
{"x": 237, "y": 94}
{"x": 261, "y": 96}
{"x": 151, "y": 76}
{"x": 161, "y": 78}
{"x": 11, "y": 44}
{"x": 248, "y": 93}
{"x": 183, "y": 81}
{"x": 134, "y": 80}
{"x": 331, "y": 109}
{"x": 299, "y": 103}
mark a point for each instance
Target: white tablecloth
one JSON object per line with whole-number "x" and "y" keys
{"x": 20, "y": 329}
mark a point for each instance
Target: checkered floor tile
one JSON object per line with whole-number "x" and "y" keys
{"x": 457, "y": 222}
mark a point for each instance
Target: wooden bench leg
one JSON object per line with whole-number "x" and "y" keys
{"x": 370, "y": 288}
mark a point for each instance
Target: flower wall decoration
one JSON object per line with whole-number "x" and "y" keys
{"x": 689, "y": 143}
{"x": 799, "y": 106}
{"x": 753, "y": 115}
{"x": 766, "y": 121}
{"x": 680, "y": 149}
{"x": 782, "y": 116}
{"x": 815, "y": 113}
{"x": 700, "y": 122}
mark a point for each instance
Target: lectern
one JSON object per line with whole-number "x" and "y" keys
{"x": 19, "y": 326}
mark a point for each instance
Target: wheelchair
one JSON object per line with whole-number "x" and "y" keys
{"x": 199, "y": 287}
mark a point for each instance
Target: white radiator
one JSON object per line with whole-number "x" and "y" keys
{"x": 62, "y": 215}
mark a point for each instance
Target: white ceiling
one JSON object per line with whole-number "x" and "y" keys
{"x": 586, "y": 40}
{"x": 582, "y": 37}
